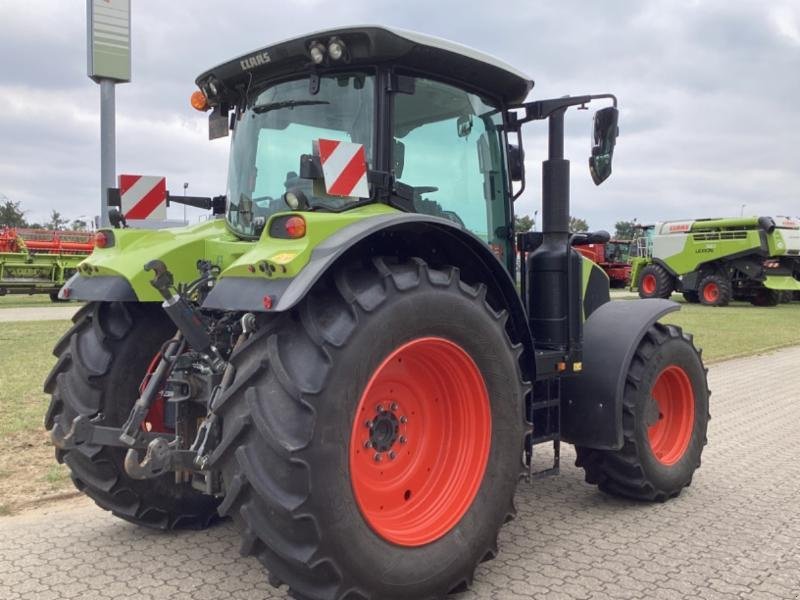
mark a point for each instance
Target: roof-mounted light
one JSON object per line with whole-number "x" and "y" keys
{"x": 317, "y": 52}
{"x": 336, "y": 48}
{"x": 296, "y": 199}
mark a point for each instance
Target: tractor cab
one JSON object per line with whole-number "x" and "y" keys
{"x": 418, "y": 123}
{"x": 425, "y": 118}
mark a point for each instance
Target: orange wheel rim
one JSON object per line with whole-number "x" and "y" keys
{"x": 420, "y": 441}
{"x": 670, "y": 435}
{"x": 711, "y": 292}
{"x": 649, "y": 283}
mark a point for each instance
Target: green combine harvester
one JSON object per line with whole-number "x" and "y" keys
{"x": 714, "y": 261}
{"x": 342, "y": 361}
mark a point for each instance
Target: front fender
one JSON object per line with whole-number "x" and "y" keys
{"x": 592, "y": 400}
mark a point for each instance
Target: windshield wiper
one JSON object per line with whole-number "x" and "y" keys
{"x": 262, "y": 108}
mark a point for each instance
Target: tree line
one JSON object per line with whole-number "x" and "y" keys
{"x": 623, "y": 230}
{"x": 12, "y": 215}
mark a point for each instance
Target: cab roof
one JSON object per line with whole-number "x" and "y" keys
{"x": 368, "y": 45}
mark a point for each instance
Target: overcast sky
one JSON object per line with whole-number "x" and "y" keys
{"x": 708, "y": 94}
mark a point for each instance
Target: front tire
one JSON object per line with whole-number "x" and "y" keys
{"x": 101, "y": 362}
{"x": 655, "y": 282}
{"x": 367, "y": 357}
{"x": 665, "y": 419}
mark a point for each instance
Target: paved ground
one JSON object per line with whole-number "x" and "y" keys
{"x": 38, "y": 313}
{"x": 735, "y": 534}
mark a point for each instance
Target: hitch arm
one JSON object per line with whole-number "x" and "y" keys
{"x": 132, "y": 429}
{"x": 83, "y": 431}
{"x": 161, "y": 456}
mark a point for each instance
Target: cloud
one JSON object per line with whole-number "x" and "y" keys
{"x": 706, "y": 90}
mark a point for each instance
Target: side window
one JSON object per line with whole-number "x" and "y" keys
{"x": 448, "y": 147}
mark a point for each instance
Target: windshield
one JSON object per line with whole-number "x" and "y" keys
{"x": 280, "y": 124}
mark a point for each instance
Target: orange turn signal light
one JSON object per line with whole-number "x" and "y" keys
{"x": 199, "y": 101}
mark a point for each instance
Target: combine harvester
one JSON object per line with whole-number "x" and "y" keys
{"x": 714, "y": 261}
{"x": 39, "y": 261}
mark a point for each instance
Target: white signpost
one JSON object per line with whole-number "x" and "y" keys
{"x": 108, "y": 32}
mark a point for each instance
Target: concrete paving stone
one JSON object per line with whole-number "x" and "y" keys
{"x": 734, "y": 534}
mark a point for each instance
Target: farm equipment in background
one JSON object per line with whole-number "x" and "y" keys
{"x": 39, "y": 261}
{"x": 714, "y": 261}
{"x": 344, "y": 364}
{"x": 613, "y": 257}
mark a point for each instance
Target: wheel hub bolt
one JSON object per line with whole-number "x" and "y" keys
{"x": 367, "y": 444}
{"x": 404, "y": 420}
{"x": 380, "y": 408}
{"x": 402, "y": 439}
{"x": 377, "y": 457}
{"x": 368, "y": 424}
{"x": 394, "y": 407}
{"x": 392, "y": 455}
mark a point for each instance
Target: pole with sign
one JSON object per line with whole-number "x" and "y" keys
{"x": 108, "y": 30}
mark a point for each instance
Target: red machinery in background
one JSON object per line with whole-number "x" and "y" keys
{"x": 613, "y": 257}
{"x": 45, "y": 241}
{"x": 39, "y": 261}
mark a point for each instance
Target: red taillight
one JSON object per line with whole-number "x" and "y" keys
{"x": 101, "y": 239}
{"x": 295, "y": 227}
{"x": 267, "y": 301}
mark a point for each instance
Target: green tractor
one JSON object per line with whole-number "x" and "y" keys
{"x": 342, "y": 361}
{"x": 714, "y": 261}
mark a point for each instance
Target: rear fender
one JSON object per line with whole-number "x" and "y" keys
{"x": 592, "y": 400}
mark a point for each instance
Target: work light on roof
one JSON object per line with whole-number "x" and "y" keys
{"x": 317, "y": 52}
{"x": 336, "y": 48}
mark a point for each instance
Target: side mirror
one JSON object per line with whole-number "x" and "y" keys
{"x": 516, "y": 162}
{"x": 605, "y": 137}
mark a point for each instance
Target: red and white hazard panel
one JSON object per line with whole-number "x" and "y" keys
{"x": 344, "y": 167}
{"x": 143, "y": 196}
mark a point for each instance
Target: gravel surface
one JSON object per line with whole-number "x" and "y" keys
{"x": 734, "y": 534}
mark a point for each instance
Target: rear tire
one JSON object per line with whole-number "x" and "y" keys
{"x": 715, "y": 290}
{"x": 766, "y": 297}
{"x": 292, "y": 470}
{"x": 101, "y": 362}
{"x": 664, "y": 417}
{"x": 691, "y": 297}
{"x": 655, "y": 282}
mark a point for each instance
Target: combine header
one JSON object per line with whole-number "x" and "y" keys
{"x": 39, "y": 261}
